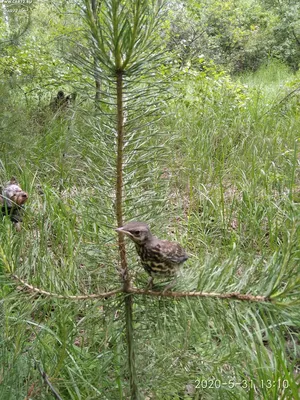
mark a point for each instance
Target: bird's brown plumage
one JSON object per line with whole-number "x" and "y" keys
{"x": 158, "y": 257}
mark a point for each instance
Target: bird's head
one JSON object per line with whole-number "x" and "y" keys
{"x": 139, "y": 232}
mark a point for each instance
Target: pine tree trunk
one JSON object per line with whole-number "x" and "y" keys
{"x": 121, "y": 244}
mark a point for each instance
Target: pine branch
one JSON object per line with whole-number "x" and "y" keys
{"x": 230, "y": 295}
{"x": 34, "y": 289}
{"x": 133, "y": 290}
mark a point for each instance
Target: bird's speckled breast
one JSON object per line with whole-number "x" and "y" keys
{"x": 152, "y": 261}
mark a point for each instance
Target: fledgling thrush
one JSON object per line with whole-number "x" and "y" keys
{"x": 158, "y": 257}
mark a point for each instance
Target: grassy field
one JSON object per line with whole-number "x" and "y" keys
{"x": 219, "y": 174}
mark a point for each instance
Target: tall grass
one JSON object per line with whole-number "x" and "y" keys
{"x": 232, "y": 184}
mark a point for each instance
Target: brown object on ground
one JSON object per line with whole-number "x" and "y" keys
{"x": 12, "y": 202}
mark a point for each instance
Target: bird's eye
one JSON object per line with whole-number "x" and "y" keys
{"x": 136, "y": 232}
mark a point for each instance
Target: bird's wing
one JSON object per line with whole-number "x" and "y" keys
{"x": 170, "y": 251}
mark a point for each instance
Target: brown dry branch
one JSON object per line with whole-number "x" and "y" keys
{"x": 31, "y": 289}
{"x": 133, "y": 290}
{"x": 232, "y": 295}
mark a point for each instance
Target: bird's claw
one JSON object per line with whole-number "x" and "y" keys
{"x": 150, "y": 284}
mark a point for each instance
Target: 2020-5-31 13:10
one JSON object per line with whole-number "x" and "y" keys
{"x": 213, "y": 383}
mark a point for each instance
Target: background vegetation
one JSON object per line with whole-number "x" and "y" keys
{"x": 211, "y": 161}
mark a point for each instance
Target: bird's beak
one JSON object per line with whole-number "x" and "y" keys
{"x": 122, "y": 230}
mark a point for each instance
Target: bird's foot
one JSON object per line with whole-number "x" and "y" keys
{"x": 149, "y": 284}
{"x": 169, "y": 286}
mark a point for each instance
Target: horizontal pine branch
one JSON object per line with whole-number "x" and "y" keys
{"x": 133, "y": 290}
{"x": 33, "y": 289}
{"x": 231, "y": 295}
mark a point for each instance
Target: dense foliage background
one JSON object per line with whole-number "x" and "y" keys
{"x": 211, "y": 161}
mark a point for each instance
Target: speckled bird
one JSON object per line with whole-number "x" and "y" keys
{"x": 158, "y": 257}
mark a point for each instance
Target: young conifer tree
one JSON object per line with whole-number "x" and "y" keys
{"x": 124, "y": 36}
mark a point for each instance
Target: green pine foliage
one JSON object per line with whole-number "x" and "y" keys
{"x": 210, "y": 161}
